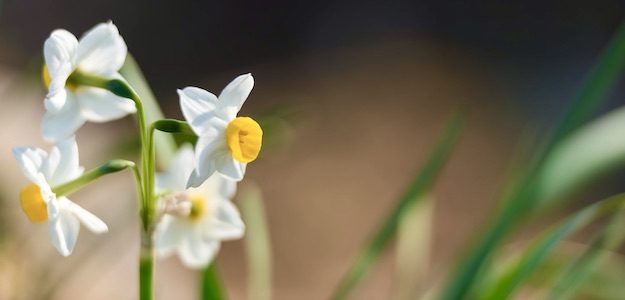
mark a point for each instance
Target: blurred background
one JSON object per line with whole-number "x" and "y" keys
{"x": 358, "y": 91}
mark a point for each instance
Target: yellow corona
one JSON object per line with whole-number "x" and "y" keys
{"x": 244, "y": 137}
{"x": 198, "y": 207}
{"x": 33, "y": 204}
{"x": 46, "y": 76}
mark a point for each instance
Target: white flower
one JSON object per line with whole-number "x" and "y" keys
{"x": 41, "y": 204}
{"x": 195, "y": 220}
{"x": 100, "y": 52}
{"x": 226, "y": 142}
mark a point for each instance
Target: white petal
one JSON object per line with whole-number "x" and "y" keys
{"x": 207, "y": 149}
{"x": 56, "y": 98}
{"x": 229, "y": 225}
{"x": 64, "y": 230}
{"x": 195, "y": 252}
{"x": 91, "y": 221}
{"x": 217, "y": 186}
{"x": 101, "y": 51}
{"x": 59, "y": 50}
{"x": 100, "y": 105}
{"x": 62, "y": 124}
{"x": 52, "y": 204}
{"x": 227, "y": 188}
{"x": 197, "y": 106}
{"x": 169, "y": 234}
{"x": 62, "y": 163}
{"x": 178, "y": 172}
{"x": 235, "y": 93}
{"x": 50, "y": 165}
{"x": 31, "y": 161}
{"x": 230, "y": 168}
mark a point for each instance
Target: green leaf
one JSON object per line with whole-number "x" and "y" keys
{"x": 525, "y": 192}
{"x": 420, "y": 185}
{"x": 257, "y": 243}
{"x": 589, "y": 153}
{"x": 211, "y": 287}
{"x": 598, "y": 84}
{"x": 503, "y": 286}
{"x": 414, "y": 239}
{"x": 579, "y": 271}
{"x": 163, "y": 142}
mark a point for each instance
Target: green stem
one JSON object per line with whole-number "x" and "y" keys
{"x": 211, "y": 285}
{"x": 146, "y": 269}
{"x": 147, "y": 212}
{"x": 112, "y": 166}
{"x": 121, "y": 88}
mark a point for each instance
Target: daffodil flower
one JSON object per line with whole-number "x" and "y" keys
{"x": 226, "y": 142}
{"x": 194, "y": 220}
{"x": 100, "y": 52}
{"x": 40, "y": 203}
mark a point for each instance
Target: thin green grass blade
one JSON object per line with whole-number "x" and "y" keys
{"x": 211, "y": 287}
{"x": 578, "y": 272}
{"x": 257, "y": 243}
{"x": 590, "y": 152}
{"x": 503, "y": 286}
{"x": 414, "y": 239}
{"x": 602, "y": 78}
{"x": 163, "y": 142}
{"x": 522, "y": 198}
{"x": 606, "y": 283}
{"x": 601, "y": 284}
{"x": 417, "y": 189}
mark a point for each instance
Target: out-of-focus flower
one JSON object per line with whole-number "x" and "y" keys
{"x": 40, "y": 203}
{"x": 100, "y": 52}
{"x": 226, "y": 142}
{"x": 194, "y": 220}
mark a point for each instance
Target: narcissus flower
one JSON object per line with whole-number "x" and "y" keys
{"x": 100, "y": 52}
{"x": 41, "y": 204}
{"x": 226, "y": 143}
{"x": 194, "y": 220}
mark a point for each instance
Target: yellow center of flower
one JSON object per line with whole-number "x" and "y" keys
{"x": 33, "y": 204}
{"x": 198, "y": 207}
{"x": 244, "y": 137}
{"x": 45, "y": 75}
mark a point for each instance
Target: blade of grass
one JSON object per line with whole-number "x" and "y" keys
{"x": 419, "y": 187}
{"x": 579, "y": 271}
{"x": 607, "y": 282}
{"x": 211, "y": 287}
{"x": 531, "y": 258}
{"x": 601, "y": 284}
{"x": 519, "y": 202}
{"x": 413, "y": 249}
{"x": 257, "y": 243}
{"x": 599, "y": 82}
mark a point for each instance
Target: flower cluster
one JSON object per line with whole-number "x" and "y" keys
{"x": 186, "y": 209}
